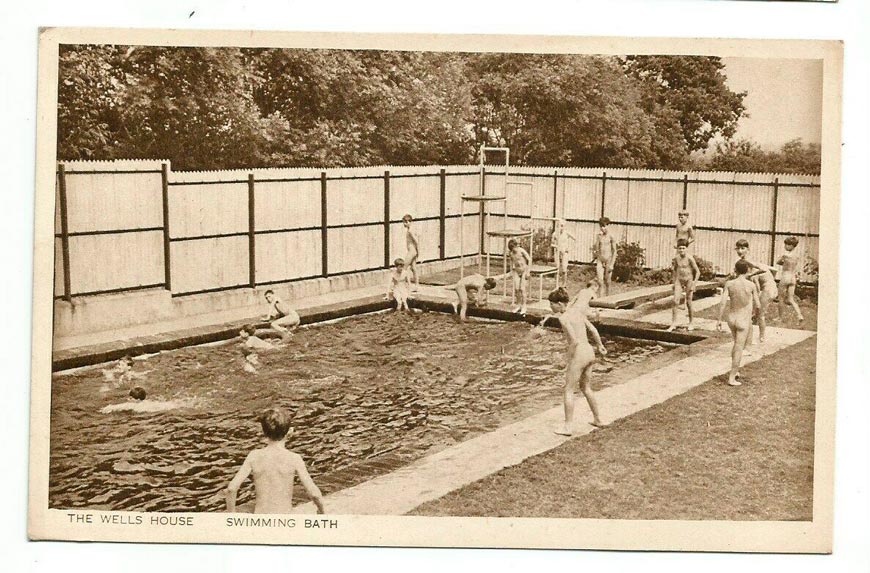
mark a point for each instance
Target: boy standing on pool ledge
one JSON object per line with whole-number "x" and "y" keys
{"x": 604, "y": 253}
{"x": 412, "y": 246}
{"x": 274, "y": 469}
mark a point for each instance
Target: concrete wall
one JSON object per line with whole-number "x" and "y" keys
{"x": 107, "y": 312}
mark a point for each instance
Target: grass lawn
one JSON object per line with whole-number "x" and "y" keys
{"x": 715, "y": 452}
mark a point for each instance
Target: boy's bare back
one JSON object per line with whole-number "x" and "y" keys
{"x": 741, "y": 292}
{"x": 274, "y": 471}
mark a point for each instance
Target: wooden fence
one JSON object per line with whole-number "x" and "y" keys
{"x": 128, "y": 225}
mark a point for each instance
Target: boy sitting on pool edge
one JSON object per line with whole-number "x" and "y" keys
{"x": 281, "y": 317}
{"x": 274, "y": 469}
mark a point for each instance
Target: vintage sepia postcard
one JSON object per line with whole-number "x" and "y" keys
{"x": 434, "y": 290}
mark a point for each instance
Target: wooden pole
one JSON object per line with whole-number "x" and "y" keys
{"x": 442, "y": 221}
{"x": 324, "y": 235}
{"x": 603, "y": 190}
{"x": 773, "y": 220}
{"x": 167, "y": 261}
{"x": 64, "y": 232}
{"x": 252, "y": 247}
{"x": 685, "y": 191}
{"x": 386, "y": 219}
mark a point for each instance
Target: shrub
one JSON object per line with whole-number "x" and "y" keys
{"x": 542, "y": 250}
{"x": 811, "y": 271}
{"x": 708, "y": 269}
{"x": 630, "y": 261}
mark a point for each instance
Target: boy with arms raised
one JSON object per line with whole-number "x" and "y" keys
{"x": 274, "y": 469}
{"x": 763, "y": 278}
{"x": 739, "y": 297}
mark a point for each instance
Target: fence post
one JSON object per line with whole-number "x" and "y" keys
{"x": 167, "y": 262}
{"x": 603, "y": 190}
{"x": 481, "y": 212}
{"x": 252, "y": 245}
{"x": 773, "y": 220}
{"x": 386, "y": 219}
{"x": 64, "y": 231}
{"x": 442, "y": 214}
{"x": 685, "y": 191}
{"x": 324, "y": 236}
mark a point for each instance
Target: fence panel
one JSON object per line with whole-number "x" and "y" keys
{"x": 286, "y": 256}
{"x": 208, "y": 208}
{"x": 355, "y": 201}
{"x": 209, "y": 264}
{"x": 286, "y": 204}
{"x": 582, "y": 197}
{"x": 356, "y": 248}
{"x": 418, "y": 196}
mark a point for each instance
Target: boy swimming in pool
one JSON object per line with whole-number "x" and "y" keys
{"x": 281, "y": 317}
{"x": 398, "y": 285}
{"x": 739, "y": 297}
{"x": 412, "y": 247}
{"x": 604, "y": 253}
{"x": 686, "y": 273}
{"x": 762, "y": 276}
{"x": 788, "y": 276}
{"x": 471, "y": 290}
{"x": 520, "y": 268}
{"x": 275, "y": 469}
{"x": 575, "y": 324}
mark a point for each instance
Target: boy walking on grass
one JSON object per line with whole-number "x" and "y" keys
{"x": 788, "y": 277}
{"x": 686, "y": 274}
{"x": 275, "y": 469}
{"x": 739, "y": 298}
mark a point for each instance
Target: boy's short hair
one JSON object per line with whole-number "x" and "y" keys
{"x": 683, "y": 212}
{"x": 593, "y": 283}
{"x": 489, "y": 283}
{"x": 742, "y": 243}
{"x": 512, "y": 243}
{"x": 399, "y": 261}
{"x": 275, "y": 423}
{"x": 560, "y": 295}
{"x": 268, "y": 292}
{"x": 250, "y": 329}
{"x": 791, "y": 241}
{"x": 682, "y": 243}
{"x": 407, "y": 217}
{"x": 741, "y": 267}
{"x": 603, "y": 221}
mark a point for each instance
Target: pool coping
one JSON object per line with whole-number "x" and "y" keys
{"x": 77, "y": 357}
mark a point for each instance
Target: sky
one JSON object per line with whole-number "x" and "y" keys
{"x": 784, "y": 99}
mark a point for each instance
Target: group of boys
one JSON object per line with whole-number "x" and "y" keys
{"x": 749, "y": 292}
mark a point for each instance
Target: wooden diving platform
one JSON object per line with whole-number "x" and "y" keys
{"x": 632, "y": 298}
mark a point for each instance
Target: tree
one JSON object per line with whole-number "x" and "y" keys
{"x": 691, "y": 91}
{"x": 745, "y": 155}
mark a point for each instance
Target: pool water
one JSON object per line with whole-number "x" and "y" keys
{"x": 357, "y": 389}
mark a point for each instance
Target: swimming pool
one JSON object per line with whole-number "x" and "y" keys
{"x": 368, "y": 394}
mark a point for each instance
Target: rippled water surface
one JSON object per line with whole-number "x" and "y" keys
{"x": 357, "y": 389}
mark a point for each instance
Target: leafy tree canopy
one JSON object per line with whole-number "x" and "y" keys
{"x": 214, "y": 108}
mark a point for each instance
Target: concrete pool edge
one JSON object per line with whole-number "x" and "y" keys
{"x": 78, "y": 357}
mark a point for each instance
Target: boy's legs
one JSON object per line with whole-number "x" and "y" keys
{"x": 413, "y": 266}
{"x": 764, "y": 300}
{"x": 690, "y": 295}
{"x": 793, "y": 302}
{"x": 599, "y": 272}
{"x": 608, "y": 274}
{"x": 572, "y": 372}
{"x": 678, "y": 294}
{"x": 463, "y": 301}
{"x": 586, "y": 388}
{"x": 284, "y": 324}
{"x": 740, "y": 335}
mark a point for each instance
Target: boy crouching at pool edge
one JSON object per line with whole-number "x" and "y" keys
{"x": 399, "y": 285}
{"x": 274, "y": 469}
